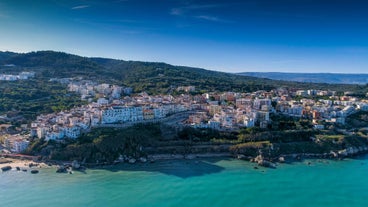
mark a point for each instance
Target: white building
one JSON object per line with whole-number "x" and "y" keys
{"x": 51, "y": 136}
{"x": 136, "y": 114}
{"x": 121, "y": 114}
{"x": 114, "y": 115}
{"x": 214, "y": 124}
{"x": 258, "y": 103}
{"x": 72, "y": 132}
{"x": 263, "y": 116}
{"x": 102, "y": 101}
{"x": 302, "y": 93}
{"x": 339, "y": 120}
{"x": 159, "y": 113}
{"x": 295, "y": 110}
{"x": 41, "y": 132}
{"x": 20, "y": 145}
{"x": 348, "y": 110}
{"x": 228, "y": 120}
{"x": 16, "y": 143}
{"x": 249, "y": 122}
{"x": 116, "y": 92}
{"x": 363, "y": 106}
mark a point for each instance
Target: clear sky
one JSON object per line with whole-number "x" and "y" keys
{"x": 224, "y": 35}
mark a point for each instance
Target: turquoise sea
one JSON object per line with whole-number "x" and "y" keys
{"x": 207, "y": 182}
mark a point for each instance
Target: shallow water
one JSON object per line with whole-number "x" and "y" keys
{"x": 207, "y": 182}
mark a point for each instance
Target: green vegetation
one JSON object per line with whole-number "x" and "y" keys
{"x": 151, "y": 77}
{"x": 250, "y": 148}
{"x": 204, "y": 135}
{"x": 107, "y": 144}
{"x": 337, "y": 138}
{"x": 102, "y": 144}
{"x": 289, "y": 135}
{"x": 357, "y": 120}
{"x": 23, "y": 100}
{"x": 278, "y": 136}
{"x": 320, "y": 144}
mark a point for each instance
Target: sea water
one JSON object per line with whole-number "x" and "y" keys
{"x": 198, "y": 182}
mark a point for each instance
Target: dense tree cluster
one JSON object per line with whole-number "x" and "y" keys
{"x": 29, "y": 98}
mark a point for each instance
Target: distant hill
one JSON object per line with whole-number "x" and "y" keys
{"x": 6, "y": 55}
{"x": 335, "y": 78}
{"x": 152, "y": 77}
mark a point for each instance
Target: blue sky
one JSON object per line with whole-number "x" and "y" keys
{"x": 224, "y": 35}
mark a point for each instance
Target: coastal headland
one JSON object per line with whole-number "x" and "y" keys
{"x": 102, "y": 115}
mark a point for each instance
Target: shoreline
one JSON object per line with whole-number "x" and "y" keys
{"x": 28, "y": 165}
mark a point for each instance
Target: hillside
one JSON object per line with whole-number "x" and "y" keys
{"x": 6, "y": 55}
{"x": 142, "y": 76}
{"x": 151, "y": 77}
{"x": 333, "y": 78}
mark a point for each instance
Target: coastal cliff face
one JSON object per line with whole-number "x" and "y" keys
{"x": 323, "y": 147}
{"x": 106, "y": 145}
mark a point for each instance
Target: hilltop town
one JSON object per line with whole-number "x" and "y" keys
{"x": 113, "y": 106}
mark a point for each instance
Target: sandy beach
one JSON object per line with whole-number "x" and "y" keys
{"x": 23, "y": 164}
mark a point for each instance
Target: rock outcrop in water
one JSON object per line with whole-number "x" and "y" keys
{"x": 351, "y": 151}
{"x": 61, "y": 169}
{"x": 75, "y": 165}
{"x": 6, "y": 168}
{"x": 263, "y": 162}
{"x": 34, "y": 171}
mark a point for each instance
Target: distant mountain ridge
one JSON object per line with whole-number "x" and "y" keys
{"x": 333, "y": 78}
